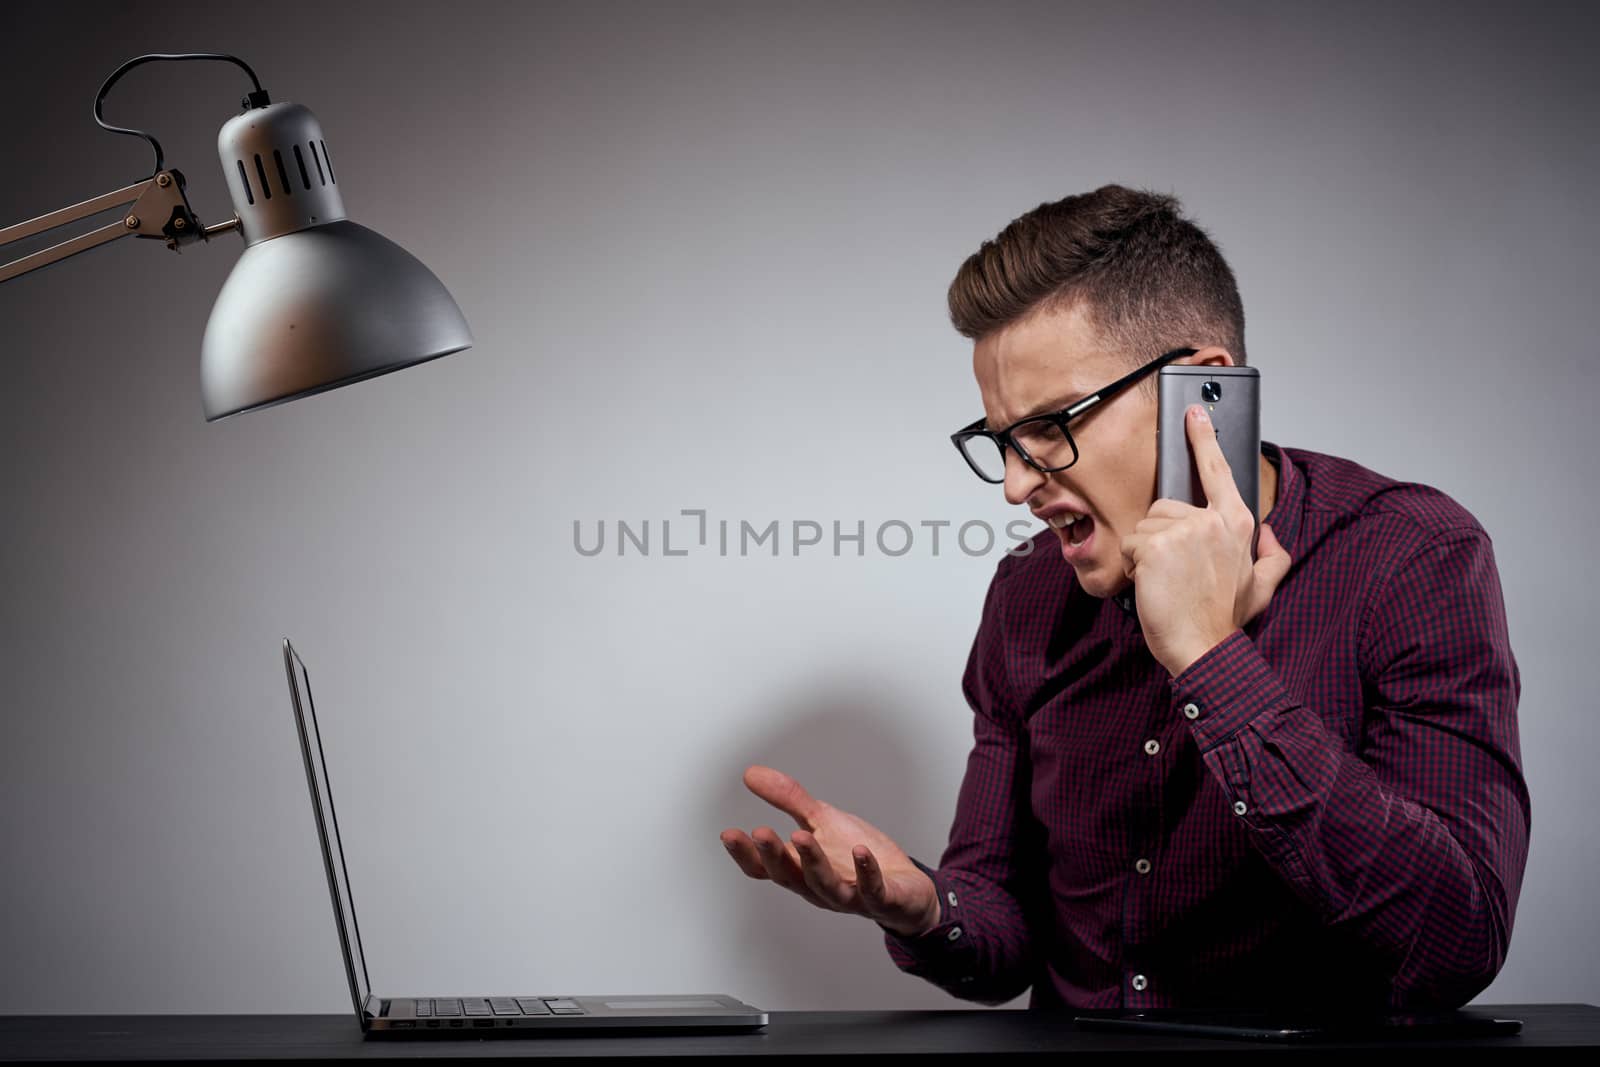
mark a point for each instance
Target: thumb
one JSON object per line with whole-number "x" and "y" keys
{"x": 783, "y": 793}
{"x": 1272, "y": 561}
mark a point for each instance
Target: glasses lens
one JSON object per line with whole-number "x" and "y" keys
{"x": 1046, "y": 443}
{"x": 985, "y": 455}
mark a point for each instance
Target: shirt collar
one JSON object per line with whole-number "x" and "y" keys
{"x": 1284, "y": 518}
{"x": 1289, "y": 507}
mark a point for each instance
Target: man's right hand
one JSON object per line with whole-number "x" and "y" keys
{"x": 835, "y": 860}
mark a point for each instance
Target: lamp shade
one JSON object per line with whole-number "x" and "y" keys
{"x": 315, "y": 309}
{"x": 316, "y": 301}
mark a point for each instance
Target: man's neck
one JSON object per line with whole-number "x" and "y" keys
{"x": 1269, "y": 487}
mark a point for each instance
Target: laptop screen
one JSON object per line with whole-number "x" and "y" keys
{"x": 344, "y": 908}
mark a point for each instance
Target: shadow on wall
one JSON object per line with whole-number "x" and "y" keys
{"x": 846, "y": 742}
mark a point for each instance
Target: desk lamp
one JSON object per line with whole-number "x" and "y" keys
{"x": 315, "y": 302}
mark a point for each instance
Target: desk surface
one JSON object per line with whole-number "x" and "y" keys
{"x": 286, "y": 1038}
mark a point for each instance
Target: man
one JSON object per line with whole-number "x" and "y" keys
{"x": 1197, "y": 780}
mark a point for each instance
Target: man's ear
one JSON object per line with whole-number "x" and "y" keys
{"x": 1210, "y": 355}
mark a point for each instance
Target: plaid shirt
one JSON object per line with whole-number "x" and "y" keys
{"x": 1325, "y": 809}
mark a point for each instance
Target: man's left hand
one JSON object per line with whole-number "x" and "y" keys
{"x": 1194, "y": 582}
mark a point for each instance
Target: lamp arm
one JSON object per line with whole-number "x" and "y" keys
{"x": 160, "y": 210}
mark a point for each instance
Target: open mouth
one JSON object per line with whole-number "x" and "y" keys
{"x": 1078, "y": 528}
{"x": 1078, "y": 533}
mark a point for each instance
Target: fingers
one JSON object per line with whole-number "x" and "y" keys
{"x": 820, "y": 877}
{"x": 873, "y": 898}
{"x": 869, "y": 883}
{"x": 1215, "y": 474}
{"x": 783, "y": 793}
{"x": 1155, "y": 523}
{"x": 1132, "y": 545}
{"x": 781, "y": 863}
{"x": 804, "y": 869}
{"x": 1167, "y": 508}
{"x": 744, "y": 853}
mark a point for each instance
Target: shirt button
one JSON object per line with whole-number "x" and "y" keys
{"x": 951, "y": 897}
{"x": 1191, "y": 711}
{"x": 1239, "y": 807}
{"x": 1143, "y": 866}
{"x": 1139, "y": 983}
{"x": 1151, "y": 747}
{"x": 955, "y": 932}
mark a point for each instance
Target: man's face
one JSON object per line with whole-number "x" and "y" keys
{"x": 1045, "y": 363}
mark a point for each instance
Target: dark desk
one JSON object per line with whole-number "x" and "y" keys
{"x": 284, "y": 1038}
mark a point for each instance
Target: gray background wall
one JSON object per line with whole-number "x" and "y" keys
{"x": 704, "y": 250}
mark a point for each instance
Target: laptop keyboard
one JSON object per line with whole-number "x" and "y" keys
{"x": 487, "y": 1007}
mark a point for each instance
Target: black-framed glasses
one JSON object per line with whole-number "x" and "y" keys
{"x": 1042, "y": 441}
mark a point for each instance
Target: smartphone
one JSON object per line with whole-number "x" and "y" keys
{"x": 1232, "y": 395}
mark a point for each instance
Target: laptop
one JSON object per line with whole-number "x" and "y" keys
{"x": 1301, "y": 1026}
{"x": 456, "y": 1016}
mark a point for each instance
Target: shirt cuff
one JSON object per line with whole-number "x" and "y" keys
{"x": 1227, "y": 688}
{"x": 946, "y": 944}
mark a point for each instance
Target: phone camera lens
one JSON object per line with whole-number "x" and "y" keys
{"x": 1211, "y": 392}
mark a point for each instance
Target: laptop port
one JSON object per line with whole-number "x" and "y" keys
{"x": 433, "y": 1022}
{"x": 455, "y": 1022}
{"x": 483, "y": 1022}
{"x": 404, "y": 1024}
{"x": 506, "y": 1022}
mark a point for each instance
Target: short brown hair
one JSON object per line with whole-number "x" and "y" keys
{"x": 1151, "y": 279}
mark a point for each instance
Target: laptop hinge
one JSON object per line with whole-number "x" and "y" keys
{"x": 375, "y": 1007}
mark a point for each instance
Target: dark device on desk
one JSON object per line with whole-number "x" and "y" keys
{"x": 524, "y": 1015}
{"x": 1296, "y": 1027}
{"x": 1232, "y": 396}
